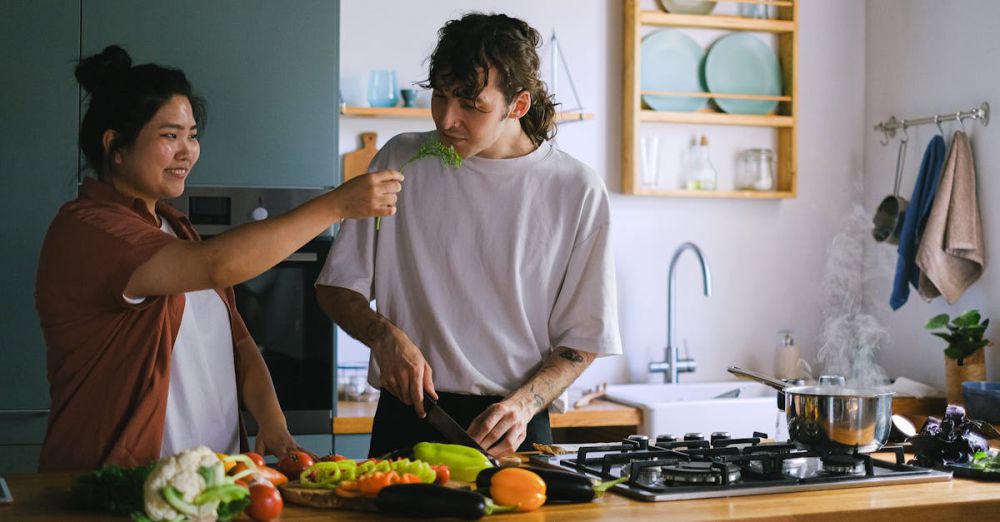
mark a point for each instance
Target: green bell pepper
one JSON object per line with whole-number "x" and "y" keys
{"x": 464, "y": 462}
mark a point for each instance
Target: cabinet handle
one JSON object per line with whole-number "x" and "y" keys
{"x": 25, "y": 412}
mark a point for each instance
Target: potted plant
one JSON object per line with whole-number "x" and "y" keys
{"x": 964, "y": 356}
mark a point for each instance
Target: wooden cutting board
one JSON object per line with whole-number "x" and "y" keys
{"x": 294, "y": 493}
{"x": 356, "y": 162}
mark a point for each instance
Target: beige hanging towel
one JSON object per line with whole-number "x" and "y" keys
{"x": 951, "y": 255}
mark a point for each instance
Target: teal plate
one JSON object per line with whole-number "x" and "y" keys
{"x": 670, "y": 61}
{"x": 741, "y": 63}
{"x": 698, "y": 7}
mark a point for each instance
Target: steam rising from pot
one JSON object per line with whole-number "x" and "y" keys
{"x": 850, "y": 338}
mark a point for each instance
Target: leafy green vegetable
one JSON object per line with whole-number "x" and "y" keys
{"x": 986, "y": 462}
{"x": 432, "y": 148}
{"x": 112, "y": 489}
{"x": 230, "y": 510}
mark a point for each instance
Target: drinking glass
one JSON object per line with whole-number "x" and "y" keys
{"x": 382, "y": 88}
{"x": 650, "y": 156}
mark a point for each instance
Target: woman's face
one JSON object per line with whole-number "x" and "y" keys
{"x": 163, "y": 154}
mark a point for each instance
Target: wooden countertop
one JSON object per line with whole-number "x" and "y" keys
{"x": 43, "y": 498}
{"x": 356, "y": 417}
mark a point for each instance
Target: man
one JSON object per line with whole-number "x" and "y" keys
{"x": 495, "y": 281}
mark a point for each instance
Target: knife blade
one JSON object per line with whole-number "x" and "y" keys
{"x": 449, "y": 428}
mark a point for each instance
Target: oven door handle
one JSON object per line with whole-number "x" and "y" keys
{"x": 308, "y": 257}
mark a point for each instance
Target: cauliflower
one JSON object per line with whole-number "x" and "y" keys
{"x": 189, "y": 486}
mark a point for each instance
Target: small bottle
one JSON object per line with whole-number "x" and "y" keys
{"x": 702, "y": 175}
{"x": 786, "y": 358}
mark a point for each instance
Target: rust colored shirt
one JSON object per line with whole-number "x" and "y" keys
{"x": 108, "y": 360}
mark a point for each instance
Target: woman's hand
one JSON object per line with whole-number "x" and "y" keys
{"x": 404, "y": 371}
{"x": 372, "y": 194}
{"x": 274, "y": 439}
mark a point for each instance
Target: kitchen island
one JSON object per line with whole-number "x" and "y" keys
{"x": 43, "y": 497}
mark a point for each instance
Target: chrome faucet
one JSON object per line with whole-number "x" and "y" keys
{"x": 673, "y": 364}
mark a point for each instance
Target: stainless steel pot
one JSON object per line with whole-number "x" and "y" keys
{"x": 831, "y": 418}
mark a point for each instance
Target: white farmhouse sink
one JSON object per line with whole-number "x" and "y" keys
{"x": 692, "y": 407}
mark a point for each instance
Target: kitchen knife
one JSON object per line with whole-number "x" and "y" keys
{"x": 452, "y": 430}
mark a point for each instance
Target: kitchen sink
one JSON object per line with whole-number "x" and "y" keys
{"x": 737, "y": 407}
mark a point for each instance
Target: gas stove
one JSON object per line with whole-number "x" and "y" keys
{"x": 689, "y": 467}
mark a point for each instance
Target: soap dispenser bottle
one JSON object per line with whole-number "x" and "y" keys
{"x": 786, "y": 358}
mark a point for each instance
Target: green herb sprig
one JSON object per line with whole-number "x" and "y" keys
{"x": 432, "y": 148}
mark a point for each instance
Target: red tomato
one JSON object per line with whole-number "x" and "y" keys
{"x": 265, "y": 502}
{"x": 333, "y": 458}
{"x": 294, "y": 463}
{"x": 255, "y": 457}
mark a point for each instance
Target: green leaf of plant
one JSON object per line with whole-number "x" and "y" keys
{"x": 969, "y": 317}
{"x": 953, "y": 352}
{"x": 947, "y": 337}
{"x": 938, "y": 321}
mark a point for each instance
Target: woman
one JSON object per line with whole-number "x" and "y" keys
{"x": 147, "y": 354}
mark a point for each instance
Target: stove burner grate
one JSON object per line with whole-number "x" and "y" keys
{"x": 701, "y": 473}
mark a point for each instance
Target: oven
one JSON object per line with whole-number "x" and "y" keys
{"x": 279, "y": 307}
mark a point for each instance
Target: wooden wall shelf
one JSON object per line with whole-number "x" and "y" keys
{"x": 726, "y": 23}
{"x": 423, "y": 112}
{"x": 783, "y": 121}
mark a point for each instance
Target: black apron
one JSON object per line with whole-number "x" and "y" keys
{"x": 396, "y": 425}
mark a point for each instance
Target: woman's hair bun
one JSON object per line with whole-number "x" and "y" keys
{"x": 100, "y": 70}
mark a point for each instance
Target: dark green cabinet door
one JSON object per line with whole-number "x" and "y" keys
{"x": 269, "y": 71}
{"x": 38, "y": 120}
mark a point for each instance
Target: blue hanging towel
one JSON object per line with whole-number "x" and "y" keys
{"x": 914, "y": 220}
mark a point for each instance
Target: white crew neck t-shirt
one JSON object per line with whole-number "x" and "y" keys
{"x": 487, "y": 267}
{"x": 202, "y": 407}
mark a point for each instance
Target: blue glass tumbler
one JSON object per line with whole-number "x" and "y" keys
{"x": 382, "y": 88}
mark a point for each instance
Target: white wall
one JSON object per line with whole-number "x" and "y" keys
{"x": 925, "y": 57}
{"x": 766, "y": 256}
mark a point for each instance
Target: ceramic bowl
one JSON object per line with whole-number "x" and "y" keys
{"x": 982, "y": 400}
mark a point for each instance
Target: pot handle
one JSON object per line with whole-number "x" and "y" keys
{"x": 761, "y": 378}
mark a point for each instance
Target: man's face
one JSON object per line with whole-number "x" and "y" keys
{"x": 484, "y": 127}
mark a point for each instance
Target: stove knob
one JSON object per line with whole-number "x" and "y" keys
{"x": 663, "y": 439}
{"x": 641, "y": 441}
{"x": 693, "y": 436}
{"x": 720, "y": 435}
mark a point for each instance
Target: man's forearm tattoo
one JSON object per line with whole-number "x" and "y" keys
{"x": 571, "y": 355}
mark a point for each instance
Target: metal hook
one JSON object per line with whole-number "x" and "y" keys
{"x": 885, "y": 139}
{"x": 937, "y": 121}
{"x": 906, "y": 134}
{"x": 958, "y": 116}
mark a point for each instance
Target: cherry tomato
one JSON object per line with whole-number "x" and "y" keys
{"x": 257, "y": 459}
{"x": 294, "y": 463}
{"x": 265, "y": 502}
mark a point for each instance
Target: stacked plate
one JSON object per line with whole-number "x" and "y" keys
{"x": 671, "y": 61}
{"x": 738, "y": 63}
{"x": 696, "y": 7}
{"x": 741, "y": 63}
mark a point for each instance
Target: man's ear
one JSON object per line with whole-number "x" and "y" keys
{"x": 107, "y": 142}
{"x": 521, "y": 105}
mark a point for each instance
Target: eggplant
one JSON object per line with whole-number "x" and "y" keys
{"x": 434, "y": 501}
{"x": 560, "y": 486}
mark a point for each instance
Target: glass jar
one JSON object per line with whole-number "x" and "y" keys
{"x": 700, "y": 173}
{"x": 755, "y": 170}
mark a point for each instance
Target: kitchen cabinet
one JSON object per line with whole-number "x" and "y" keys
{"x": 268, "y": 70}
{"x": 38, "y": 166}
{"x": 784, "y": 121}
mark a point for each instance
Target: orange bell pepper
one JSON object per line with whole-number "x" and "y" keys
{"x": 372, "y": 483}
{"x": 518, "y": 487}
